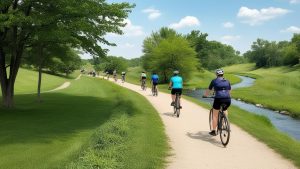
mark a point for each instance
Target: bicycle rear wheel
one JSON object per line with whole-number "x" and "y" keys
{"x": 177, "y": 105}
{"x": 211, "y": 119}
{"x": 224, "y": 130}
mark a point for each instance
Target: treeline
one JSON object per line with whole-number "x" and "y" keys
{"x": 167, "y": 50}
{"x": 269, "y": 54}
{"x": 47, "y": 34}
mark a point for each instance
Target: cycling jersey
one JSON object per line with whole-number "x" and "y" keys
{"x": 176, "y": 82}
{"x": 123, "y": 73}
{"x": 221, "y": 87}
{"x": 143, "y": 75}
{"x": 155, "y": 78}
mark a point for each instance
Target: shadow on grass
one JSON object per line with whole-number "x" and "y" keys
{"x": 204, "y": 136}
{"x": 58, "y": 117}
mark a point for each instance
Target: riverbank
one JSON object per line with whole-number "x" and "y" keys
{"x": 280, "y": 85}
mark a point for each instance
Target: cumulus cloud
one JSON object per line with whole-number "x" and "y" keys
{"x": 130, "y": 30}
{"x": 256, "y": 17}
{"x": 292, "y": 29}
{"x": 152, "y": 13}
{"x": 294, "y": 1}
{"x": 228, "y": 39}
{"x": 228, "y": 25}
{"x": 187, "y": 21}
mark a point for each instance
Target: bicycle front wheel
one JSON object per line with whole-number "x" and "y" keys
{"x": 224, "y": 130}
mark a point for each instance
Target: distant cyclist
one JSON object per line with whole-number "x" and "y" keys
{"x": 176, "y": 84}
{"x": 143, "y": 79}
{"x": 123, "y": 76}
{"x": 222, "y": 89}
{"x": 115, "y": 75}
{"x": 154, "y": 80}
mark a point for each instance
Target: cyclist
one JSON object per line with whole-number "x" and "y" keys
{"x": 115, "y": 74}
{"x": 123, "y": 76}
{"x": 176, "y": 84}
{"x": 222, "y": 89}
{"x": 143, "y": 78}
{"x": 154, "y": 80}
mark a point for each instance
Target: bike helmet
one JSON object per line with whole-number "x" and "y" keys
{"x": 176, "y": 72}
{"x": 219, "y": 72}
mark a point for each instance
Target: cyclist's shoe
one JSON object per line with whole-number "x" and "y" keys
{"x": 180, "y": 107}
{"x": 173, "y": 103}
{"x": 213, "y": 133}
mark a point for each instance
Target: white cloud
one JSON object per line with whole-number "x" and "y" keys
{"x": 152, "y": 13}
{"x": 294, "y": 1}
{"x": 228, "y": 39}
{"x": 130, "y": 30}
{"x": 256, "y": 17}
{"x": 228, "y": 25}
{"x": 187, "y": 21}
{"x": 128, "y": 45}
{"x": 292, "y": 29}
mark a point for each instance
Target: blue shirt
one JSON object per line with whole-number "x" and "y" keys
{"x": 155, "y": 78}
{"x": 221, "y": 87}
{"x": 176, "y": 82}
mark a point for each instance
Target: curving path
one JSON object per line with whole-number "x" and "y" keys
{"x": 193, "y": 148}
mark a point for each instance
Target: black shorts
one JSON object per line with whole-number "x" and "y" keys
{"x": 174, "y": 91}
{"x": 154, "y": 83}
{"x": 218, "y": 102}
{"x": 144, "y": 77}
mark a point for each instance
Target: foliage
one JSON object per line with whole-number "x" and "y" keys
{"x": 212, "y": 54}
{"x": 111, "y": 63}
{"x": 163, "y": 55}
{"x": 269, "y": 54}
{"x": 79, "y": 23}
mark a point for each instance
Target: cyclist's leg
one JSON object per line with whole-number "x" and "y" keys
{"x": 216, "y": 108}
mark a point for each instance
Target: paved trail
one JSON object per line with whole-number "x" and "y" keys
{"x": 193, "y": 148}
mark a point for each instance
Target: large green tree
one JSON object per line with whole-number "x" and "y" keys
{"x": 172, "y": 53}
{"x": 86, "y": 21}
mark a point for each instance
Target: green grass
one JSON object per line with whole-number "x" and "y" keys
{"x": 27, "y": 81}
{"x": 276, "y": 88}
{"x": 64, "y": 129}
{"x": 261, "y": 128}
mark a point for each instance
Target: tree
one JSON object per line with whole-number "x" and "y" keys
{"x": 86, "y": 21}
{"x": 167, "y": 57}
{"x": 112, "y": 63}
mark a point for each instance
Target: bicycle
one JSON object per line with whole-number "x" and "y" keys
{"x": 123, "y": 79}
{"x": 154, "y": 90}
{"x": 223, "y": 125}
{"x": 176, "y": 104}
{"x": 115, "y": 78}
{"x": 143, "y": 85}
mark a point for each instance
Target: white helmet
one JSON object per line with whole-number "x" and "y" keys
{"x": 176, "y": 72}
{"x": 219, "y": 72}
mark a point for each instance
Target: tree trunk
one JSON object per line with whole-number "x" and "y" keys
{"x": 40, "y": 73}
{"x": 39, "y": 84}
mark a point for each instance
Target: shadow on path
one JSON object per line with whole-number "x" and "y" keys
{"x": 204, "y": 136}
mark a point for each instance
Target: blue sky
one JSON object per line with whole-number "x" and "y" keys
{"x": 234, "y": 22}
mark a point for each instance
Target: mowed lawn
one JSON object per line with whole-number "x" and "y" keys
{"x": 62, "y": 130}
{"x": 277, "y": 88}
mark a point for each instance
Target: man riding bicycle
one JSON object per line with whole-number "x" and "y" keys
{"x": 123, "y": 76}
{"x": 222, "y": 89}
{"x": 176, "y": 84}
{"x": 115, "y": 74}
{"x": 143, "y": 78}
{"x": 154, "y": 80}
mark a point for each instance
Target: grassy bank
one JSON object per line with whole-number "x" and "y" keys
{"x": 91, "y": 123}
{"x": 276, "y": 88}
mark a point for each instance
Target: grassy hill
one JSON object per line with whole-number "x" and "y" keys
{"x": 91, "y": 123}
